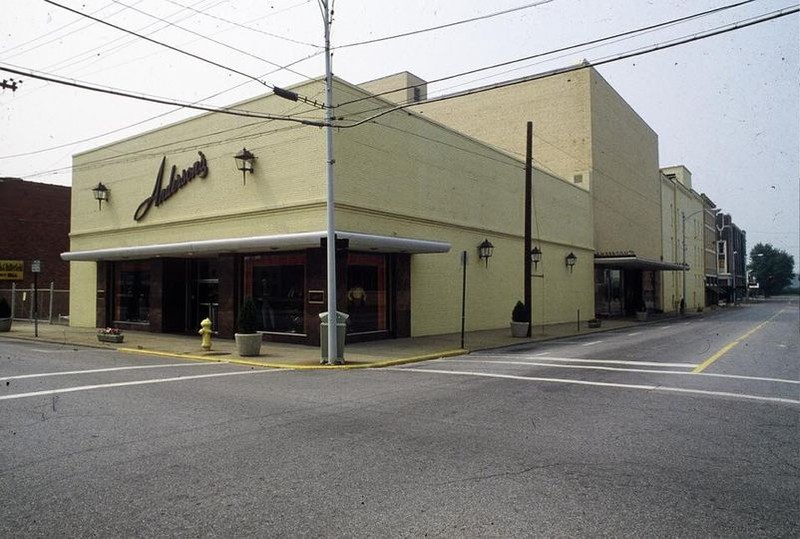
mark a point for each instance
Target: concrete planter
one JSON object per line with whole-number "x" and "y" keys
{"x": 110, "y": 338}
{"x": 594, "y": 323}
{"x": 519, "y": 329}
{"x": 5, "y": 324}
{"x": 641, "y": 316}
{"x": 248, "y": 344}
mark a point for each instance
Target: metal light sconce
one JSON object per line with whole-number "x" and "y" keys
{"x": 570, "y": 260}
{"x": 100, "y": 194}
{"x": 244, "y": 162}
{"x": 485, "y": 251}
{"x": 536, "y": 257}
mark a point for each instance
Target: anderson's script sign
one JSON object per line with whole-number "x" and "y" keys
{"x": 176, "y": 181}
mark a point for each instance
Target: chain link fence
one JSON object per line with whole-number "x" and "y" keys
{"x": 48, "y": 304}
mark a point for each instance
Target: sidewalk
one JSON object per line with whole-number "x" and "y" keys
{"x": 279, "y": 355}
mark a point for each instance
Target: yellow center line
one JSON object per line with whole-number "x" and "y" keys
{"x": 727, "y": 348}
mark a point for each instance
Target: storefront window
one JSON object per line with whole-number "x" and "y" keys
{"x": 132, "y": 292}
{"x": 277, "y": 285}
{"x": 367, "y": 302}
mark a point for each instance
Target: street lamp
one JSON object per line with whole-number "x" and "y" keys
{"x": 536, "y": 257}
{"x": 570, "y": 260}
{"x": 244, "y": 162}
{"x": 485, "y": 251}
{"x": 100, "y": 193}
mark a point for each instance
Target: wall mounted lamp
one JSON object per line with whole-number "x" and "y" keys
{"x": 536, "y": 257}
{"x": 485, "y": 251}
{"x": 100, "y": 193}
{"x": 244, "y": 162}
{"x": 570, "y": 260}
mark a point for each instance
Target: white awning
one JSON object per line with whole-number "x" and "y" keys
{"x": 636, "y": 262}
{"x": 255, "y": 244}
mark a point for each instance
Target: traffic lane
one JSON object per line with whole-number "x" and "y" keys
{"x": 391, "y": 452}
{"x": 618, "y": 376}
{"x": 26, "y": 357}
{"x": 669, "y": 341}
{"x": 773, "y": 349}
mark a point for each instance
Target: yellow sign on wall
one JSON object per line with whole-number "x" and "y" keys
{"x": 11, "y": 270}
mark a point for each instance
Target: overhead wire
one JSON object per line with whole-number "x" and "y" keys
{"x": 216, "y": 41}
{"x": 176, "y": 49}
{"x": 153, "y": 99}
{"x": 246, "y": 27}
{"x": 563, "y": 49}
{"x": 442, "y": 26}
{"x": 745, "y": 23}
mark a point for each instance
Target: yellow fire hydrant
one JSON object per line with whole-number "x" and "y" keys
{"x": 205, "y": 332}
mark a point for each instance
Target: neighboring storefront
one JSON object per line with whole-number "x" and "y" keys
{"x": 181, "y": 234}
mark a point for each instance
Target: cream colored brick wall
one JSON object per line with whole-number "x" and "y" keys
{"x": 678, "y": 201}
{"x": 581, "y": 126}
{"x": 558, "y": 107}
{"x": 285, "y": 193}
{"x": 440, "y": 185}
{"x": 404, "y": 176}
{"x": 625, "y": 184}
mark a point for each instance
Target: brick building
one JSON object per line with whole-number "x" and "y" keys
{"x": 34, "y": 221}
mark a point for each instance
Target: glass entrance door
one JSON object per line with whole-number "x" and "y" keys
{"x": 205, "y": 290}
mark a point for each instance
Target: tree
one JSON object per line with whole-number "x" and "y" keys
{"x": 772, "y": 268}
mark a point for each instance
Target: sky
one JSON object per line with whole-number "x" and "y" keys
{"x": 727, "y": 107}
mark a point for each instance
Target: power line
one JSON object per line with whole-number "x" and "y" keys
{"x": 162, "y": 101}
{"x": 234, "y": 23}
{"x": 584, "y": 65}
{"x": 562, "y": 49}
{"x": 101, "y": 21}
{"x": 442, "y": 26}
{"x": 198, "y": 34}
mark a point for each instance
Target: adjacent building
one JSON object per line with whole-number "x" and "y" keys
{"x": 35, "y": 226}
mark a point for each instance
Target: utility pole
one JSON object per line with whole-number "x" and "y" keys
{"x": 331, "y": 230}
{"x": 528, "y": 215}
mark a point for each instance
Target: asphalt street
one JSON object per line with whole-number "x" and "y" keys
{"x": 682, "y": 428}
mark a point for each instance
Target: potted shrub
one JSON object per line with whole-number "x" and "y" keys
{"x": 641, "y": 314}
{"x": 594, "y": 323}
{"x": 248, "y": 340}
{"x": 5, "y": 315}
{"x": 519, "y": 320}
{"x": 110, "y": 335}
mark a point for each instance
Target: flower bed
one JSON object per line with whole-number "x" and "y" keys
{"x": 110, "y": 335}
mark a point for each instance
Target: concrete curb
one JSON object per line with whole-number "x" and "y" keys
{"x": 277, "y": 365}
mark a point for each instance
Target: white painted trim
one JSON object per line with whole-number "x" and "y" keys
{"x": 252, "y": 244}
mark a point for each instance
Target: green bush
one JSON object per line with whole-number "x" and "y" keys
{"x": 248, "y": 316}
{"x": 5, "y": 310}
{"x": 520, "y": 313}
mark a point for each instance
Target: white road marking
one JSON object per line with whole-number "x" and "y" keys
{"x": 634, "y": 333}
{"x": 108, "y": 369}
{"x": 600, "y": 361}
{"x": 135, "y": 383}
{"x": 591, "y": 343}
{"x": 541, "y": 354}
{"x": 664, "y": 327}
{"x": 601, "y": 384}
{"x": 595, "y": 367}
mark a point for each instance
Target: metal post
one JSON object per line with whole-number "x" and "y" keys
{"x": 331, "y": 230}
{"x": 13, "y": 298}
{"x": 463, "y": 295}
{"x": 35, "y": 304}
{"x": 528, "y": 213}
{"x": 579, "y": 320}
{"x": 52, "y": 292}
{"x": 683, "y": 225}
